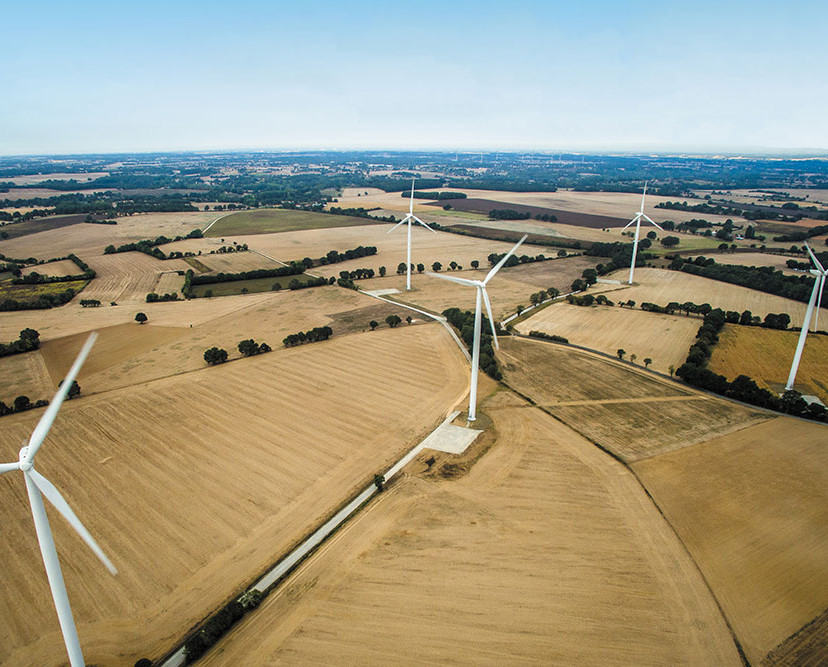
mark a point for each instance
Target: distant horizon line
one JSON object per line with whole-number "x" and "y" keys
{"x": 755, "y": 151}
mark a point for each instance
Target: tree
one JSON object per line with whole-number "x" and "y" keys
{"x": 651, "y": 235}
{"x": 408, "y": 319}
{"x": 248, "y": 347}
{"x": 633, "y": 357}
{"x": 141, "y": 318}
{"x": 264, "y": 347}
{"x": 553, "y": 292}
{"x": 578, "y": 285}
{"x": 436, "y": 267}
{"x": 215, "y": 356}
{"x": 453, "y": 265}
{"x": 475, "y": 264}
{"x": 620, "y": 352}
{"x": 74, "y": 390}
{"x": 382, "y": 272}
{"x": 420, "y": 268}
{"x": 401, "y": 268}
{"x": 373, "y": 324}
{"x": 30, "y": 339}
{"x": 647, "y": 362}
{"x": 670, "y": 241}
{"x": 393, "y": 320}
{"x": 379, "y": 482}
{"x": 22, "y": 403}
{"x": 519, "y": 309}
{"x": 561, "y": 253}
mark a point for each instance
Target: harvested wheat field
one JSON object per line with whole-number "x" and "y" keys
{"x": 156, "y": 474}
{"x": 24, "y": 375}
{"x": 436, "y": 295}
{"x": 65, "y": 267}
{"x": 129, "y": 353}
{"x": 236, "y": 262}
{"x": 752, "y": 508}
{"x": 766, "y": 355}
{"x": 128, "y": 276}
{"x": 761, "y": 259}
{"x": 663, "y": 338}
{"x": 627, "y": 411}
{"x": 558, "y": 273}
{"x": 546, "y": 552}
{"x": 662, "y": 286}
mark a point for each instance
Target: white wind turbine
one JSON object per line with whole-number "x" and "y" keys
{"x": 482, "y": 295}
{"x": 409, "y": 219}
{"x": 816, "y": 297}
{"x": 38, "y": 486}
{"x": 637, "y": 222}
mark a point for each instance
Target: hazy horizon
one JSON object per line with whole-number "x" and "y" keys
{"x": 715, "y": 78}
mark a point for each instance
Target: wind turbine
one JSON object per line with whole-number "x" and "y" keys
{"x": 637, "y": 221}
{"x": 816, "y": 297}
{"x": 482, "y": 295}
{"x": 38, "y": 486}
{"x": 409, "y": 219}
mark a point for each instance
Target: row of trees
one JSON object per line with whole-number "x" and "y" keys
{"x": 35, "y": 278}
{"x": 508, "y": 214}
{"x": 463, "y": 321}
{"x": 150, "y": 246}
{"x": 22, "y": 404}
{"x": 333, "y": 256}
{"x": 42, "y": 302}
{"x": 28, "y": 341}
{"x": 314, "y": 335}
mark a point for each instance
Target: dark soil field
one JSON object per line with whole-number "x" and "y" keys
{"x": 564, "y": 217}
{"x": 16, "y": 229}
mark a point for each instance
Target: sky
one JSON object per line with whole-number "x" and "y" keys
{"x": 86, "y": 77}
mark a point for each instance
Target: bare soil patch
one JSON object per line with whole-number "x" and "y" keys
{"x": 752, "y": 508}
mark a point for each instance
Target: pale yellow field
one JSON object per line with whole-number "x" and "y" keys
{"x": 752, "y": 508}
{"x": 127, "y": 277}
{"x": 547, "y": 552}
{"x": 129, "y": 353}
{"x": 65, "y": 267}
{"x": 661, "y": 286}
{"x": 236, "y": 262}
{"x": 24, "y": 375}
{"x": 168, "y": 282}
{"x": 766, "y": 356}
{"x": 663, "y": 338}
{"x": 629, "y": 412}
{"x": 195, "y": 484}
{"x": 761, "y": 259}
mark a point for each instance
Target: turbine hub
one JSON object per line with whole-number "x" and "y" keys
{"x": 24, "y": 465}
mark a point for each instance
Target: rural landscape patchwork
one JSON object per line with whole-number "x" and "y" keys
{"x": 363, "y": 333}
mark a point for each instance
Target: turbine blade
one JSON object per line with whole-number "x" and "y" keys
{"x": 8, "y": 467}
{"x": 814, "y": 258}
{"x": 45, "y": 423}
{"x": 454, "y": 279}
{"x": 489, "y": 315}
{"x": 651, "y": 221}
{"x": 500, "y": 264}
{"x": 416, "y": 219}
{"x": 53, "y": 496}
{"x": 819, "y": 301}
{"x": 401, "y": 222}
{"x": 633, "y": 221}
{"x": 411, "y": 204}
{"x": 644, "y": 194}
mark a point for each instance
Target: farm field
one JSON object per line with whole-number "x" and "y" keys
{"x": 22, "y": 229}
{"x": 766, "y": 356}
{"x": 236, "y": 262}
{"x": 751, "y": 508}
{"x": 630, "y": 413}
{"x": 436, "y": 295}
{"x": 557, "y": 273}
{"x": 65, "y": 267}
{"x": 547, "y": 551}
{"x": 251, "y": 286}
{"x": 167, "y": 345}
{"x": 663, "y": 338}
{"x": 31, "y": 179}
{"x": 128, "y": 276}
{"x": 269, "y": 220}
{"x": 164, "y": 493}
{"x": 761, "y": 259}
{"x": 32, "y": 292}
{"x": 24, "y": 375}
{"x": 661, "y": 286}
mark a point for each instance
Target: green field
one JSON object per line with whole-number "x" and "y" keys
{"x": 267, "y": 220}
{"x": 252, "y": 285}
{"x": 32, "y": 292}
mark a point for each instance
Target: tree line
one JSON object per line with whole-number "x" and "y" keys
{"x": 463, "y": 321}
{"x": 150, "y": 246}
{"x": 313, "y": 336}
{"x": 28, "y": 341}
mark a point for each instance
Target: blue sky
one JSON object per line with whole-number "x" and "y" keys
{"x": 150, "y": 76}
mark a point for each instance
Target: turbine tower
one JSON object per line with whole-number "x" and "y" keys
{"x": 637, "y": 221}
{"x": 409, "y": 219}
{"x": 816, "y": 297}
{"x": 38, "y": 487}
{"x": 482, "y": 296}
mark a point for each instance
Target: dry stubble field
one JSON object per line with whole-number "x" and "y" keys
{"x": 127, "y": 277}
{"x": 65, "y": 267}
{"x": 196, "y": 483}
{"x": 661, "y": 286}
{"x": 663, "y": 338}
{"x": 547, "y": 551}
{"x": 766, "y": 356}
{"x": 752, "y": 508}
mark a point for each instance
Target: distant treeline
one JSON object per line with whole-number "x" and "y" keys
{"x": 508, "y": 214}
{"x": 802, "y": 235}
{"x": 419, "y": 194}
{"x": 293, "y": 269}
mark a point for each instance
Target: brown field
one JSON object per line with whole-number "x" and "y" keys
{"x": 65, "y": 267}
{"x": 18, "y": 194}
{"x": 761, "y": 259}
{"x": 766, "y": 356}
{"x": 546, "y": 552}
{"x": 24, "y": 375}
{"x": 155, "y": 473}
{"x": 128, "y": 276}
{"x": 557, "y": 273}
{"x": 633, "y": 414}
{"x": 129, "y": 353}
{"x": 662, "y": 286}
{"x": 31, "y": 179}
{"x": 663, "y": 338}
{"x": 752, "y": 508}
{"x": 19, "y": 230}
{"x": 168, "y": 282}
{"x": 235, "y": 262}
